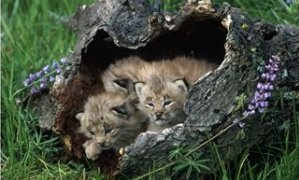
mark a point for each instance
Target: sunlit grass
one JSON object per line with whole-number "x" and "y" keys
{"x": 274, "y": 11}
{"x": 32, "y": 35}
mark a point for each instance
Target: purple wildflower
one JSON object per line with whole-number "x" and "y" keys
{"x": 32, "y": 77}
{"x": 41, "y": 79}
{"x": 272, "y": 77}
{"x": 52, "y": 79}
{"x": 54, "y": 65}
{"x": 264, "y": 75}
{"x": 267, "y": 94}
{"x": 46, "y": 69}
{"x": 259, "y": 85}
{"x": 263, "y": 104}
{"x": 251, "y": 107}
{"x": 259, "y": 102}
{"x": 29, "y": 80}
{"x": 34, "y": 90}
{"x": 40, "y": 74}
{"x": 43, "y": 85}
{"x": 58, "y": 70}
{"x": 26, "y": 82}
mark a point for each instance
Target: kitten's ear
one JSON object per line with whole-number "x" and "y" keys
{"x": 138, "y": 87}
{"x": 181, "y": 84}
{"x": 79, "y": 116}
{"x": 122, "y": 84}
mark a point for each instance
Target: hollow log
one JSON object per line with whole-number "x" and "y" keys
{"x": 111, "y": 30}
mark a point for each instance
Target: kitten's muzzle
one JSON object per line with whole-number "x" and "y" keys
{"x": 104, "y": 145}
{"x": 158, "y": 115}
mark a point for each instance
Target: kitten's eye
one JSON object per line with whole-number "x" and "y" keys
{"x": 92, "y": 133}
{"x": 122, "y": 82}
{"x": 150, "y": 104}
{"x": 165, "y": 103}
{"x": 120, "y": 110}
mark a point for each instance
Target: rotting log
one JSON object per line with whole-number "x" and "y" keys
{"x": 110, "y": 30}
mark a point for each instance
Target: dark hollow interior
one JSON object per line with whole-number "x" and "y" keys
{"x": 203, "y": 39}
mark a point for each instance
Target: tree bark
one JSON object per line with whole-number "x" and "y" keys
{"x": 110, "y": 30}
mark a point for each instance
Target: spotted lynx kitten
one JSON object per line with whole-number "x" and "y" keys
{"x": 110, "y": 120}
{"x": 162, "y": 100}
{"x": 164, "y": 87}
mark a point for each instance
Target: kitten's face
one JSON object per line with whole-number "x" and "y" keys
{"x": 120, "y": 76}
{"x": 104, "y": 114}
{"x": 162, "y": 101}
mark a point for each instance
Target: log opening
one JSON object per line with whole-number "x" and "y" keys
{"x": 203, "y": 39}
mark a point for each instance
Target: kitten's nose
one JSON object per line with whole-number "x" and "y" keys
{"x": 103, "y": 143}
{"x": 158, "y": 115}
{"x": 100, "y": 140}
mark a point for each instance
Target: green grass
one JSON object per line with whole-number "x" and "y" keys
{"x": 274, "y": 11}
{"x": 32, "y": 35}
{"x": 277, "y": 159}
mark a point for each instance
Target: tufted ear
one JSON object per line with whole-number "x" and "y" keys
{"x": 181, "y": 84}
{"x": 138, "y": 87}
{"x": 122, "y": 84}
{"x": 79, "y": 116}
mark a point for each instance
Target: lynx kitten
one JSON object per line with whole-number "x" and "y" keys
{"x": 162, "y": 100}
{"x": 110, "y": 120}
{"x": 164, "y": 87}
{"x": 181, "y": 67}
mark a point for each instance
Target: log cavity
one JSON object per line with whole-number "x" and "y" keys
{"x": 204, "y": 39}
